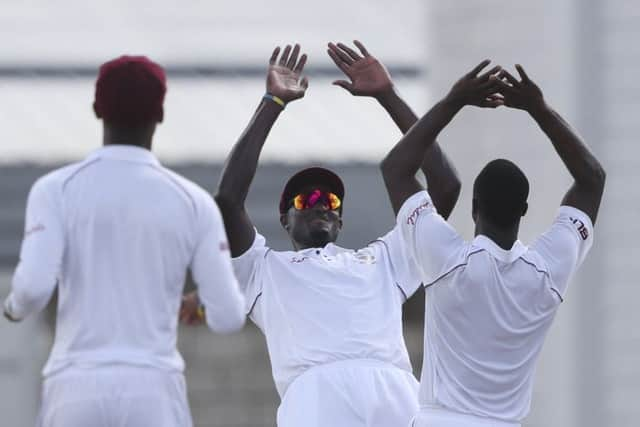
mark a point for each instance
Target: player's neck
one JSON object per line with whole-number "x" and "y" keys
{"x": 139, "y": 137}
{"x": 503, "y": 237}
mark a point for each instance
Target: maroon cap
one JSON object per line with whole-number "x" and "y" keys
{"x": 130, "y": 91}
{"x": 310, "y": 176}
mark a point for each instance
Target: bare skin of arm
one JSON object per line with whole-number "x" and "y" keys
{"x": 369, "y": 77}
{"x": 589, "y": 176}
{"x": 402, "y": 162}
{"x": 285, "y": 81}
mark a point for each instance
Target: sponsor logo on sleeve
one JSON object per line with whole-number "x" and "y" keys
{"x": 411, "y": 220}
{"x": 582, "y": 229}
{"x": 33, "y": 230}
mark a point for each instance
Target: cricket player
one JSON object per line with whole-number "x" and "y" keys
{"x": 332, "y": 317}
{"x": 491, "y": 301}
{"x": 115, "y": 234}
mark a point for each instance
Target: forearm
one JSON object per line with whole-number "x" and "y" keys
{"x": 442, "y": 178}
{"x": 403, "y": 161}
{"x": 581, "y": 163}
{"x": 399, "y": 111}
{"x": 30, "y": 293}
{"x": 443, "y": 182}
{"x": 242, "y": 162}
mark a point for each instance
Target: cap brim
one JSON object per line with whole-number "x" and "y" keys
{"x": 310, "y": 176}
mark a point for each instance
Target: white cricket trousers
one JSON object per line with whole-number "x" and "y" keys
{"x": 350, "y": 393}
{"x": 114, "y": 396}
{"x": 434, "y": 416}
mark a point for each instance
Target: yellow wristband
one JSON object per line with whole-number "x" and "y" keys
{"x": 275, "y": 99}
{"x": 200, "y": 312}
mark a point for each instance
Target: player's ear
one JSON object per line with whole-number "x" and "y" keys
{"x": 95, "y": 110}
{"x": 284, "y": 221}
{"x": 474, "y": 209}
{"x": 525, "y": 208}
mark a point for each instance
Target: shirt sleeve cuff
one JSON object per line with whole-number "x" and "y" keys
{"x": 11, "y": 309}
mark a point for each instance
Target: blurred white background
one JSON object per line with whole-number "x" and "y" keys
{"x": 583, "y": 53}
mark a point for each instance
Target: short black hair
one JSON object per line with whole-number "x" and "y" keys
{"x": 501, "y": 190}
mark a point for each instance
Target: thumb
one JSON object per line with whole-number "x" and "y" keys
{"x": 344, "y": 84}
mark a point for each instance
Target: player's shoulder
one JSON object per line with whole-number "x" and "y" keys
{"x": 200, "y": 197}
{"x": 56, "y": 179}
{"x": 186, "y": 184}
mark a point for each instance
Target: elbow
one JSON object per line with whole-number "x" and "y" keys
{"x": 596, "y": 179}
{"x": 600, "y": 177}
{"x": 228, "y": 325}
{"x": 388, "y": 170}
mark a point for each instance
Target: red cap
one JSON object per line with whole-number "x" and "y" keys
{"x": 130, "y": 91}
{"x": 310, "y": 176}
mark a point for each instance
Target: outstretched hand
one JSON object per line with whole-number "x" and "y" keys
{"x": 284, "y": 75}
{"x": 477, "y": 89}
{"x": 523, "y": 94}
{"x": 367, "y": 75}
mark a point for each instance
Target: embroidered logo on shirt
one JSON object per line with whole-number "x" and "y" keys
{"x": 411, "y": 220}
{"x": 582, "y": 229}
{"x": 365, "y": 258}
{"x": 224, "y": 246}
{"x": 298, "y": 260}
{"x": 35, "y": 229}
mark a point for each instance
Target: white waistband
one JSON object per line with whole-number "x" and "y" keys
{"x": 346, "y": 363}
{"x": 430, "y": 412}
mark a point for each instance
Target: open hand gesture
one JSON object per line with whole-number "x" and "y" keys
{"x": 368, "y": 76}
{"x": 479, "y": 90}
{"x": 523, "y": 94}
{"x": 283, "y": 76}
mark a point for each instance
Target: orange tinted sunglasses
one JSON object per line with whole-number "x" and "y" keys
{"x": 309, "y": 200}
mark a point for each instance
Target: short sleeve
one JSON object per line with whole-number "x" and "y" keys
{"x": 404, "y": 270}
{"x": 564, "y": 246}
{"x": 248, "y": 268}
{"x": 428, "y": 239}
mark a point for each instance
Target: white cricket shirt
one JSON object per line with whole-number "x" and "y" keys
{"x": 488, "y": 309}
{"x": 322, "y": 305}
{"x": 116, "y": 234}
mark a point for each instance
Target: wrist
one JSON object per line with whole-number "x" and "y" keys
{"x": 271, "y": 98}
{"x": 539, "y": 110}
{"x": 387, "y": 96}
{"x": 450, "y": 102}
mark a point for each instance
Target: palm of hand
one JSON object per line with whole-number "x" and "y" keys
{"x": 284, "y": 83}
{"x": 369, "y": 77}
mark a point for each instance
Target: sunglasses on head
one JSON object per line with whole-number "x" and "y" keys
{"x": 312, "y": 198}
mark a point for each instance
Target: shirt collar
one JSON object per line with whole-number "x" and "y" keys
{"x": 129, "y": 153}
{"x": 490, "y": 246}
{"x": 330, "y": 249}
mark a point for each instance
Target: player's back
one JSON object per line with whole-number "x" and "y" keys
{"x": 488, "y": 319}
{"x": 130, "y": 234}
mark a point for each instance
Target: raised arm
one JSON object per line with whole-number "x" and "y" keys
{"x": 401, "y": 164}
{"x": 284, "y": 84}
{"x": 589, "y": 176}
{"x": 369, "y": 77}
